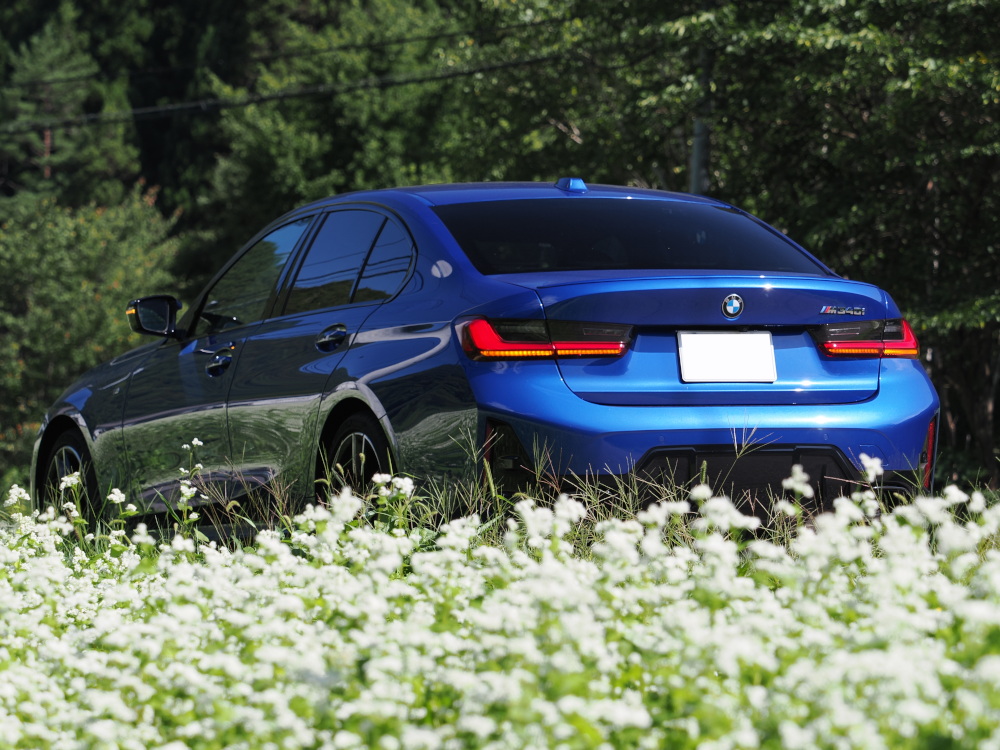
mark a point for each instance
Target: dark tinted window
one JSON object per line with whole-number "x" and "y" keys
{"x": 387, "y": 265}
{"x": 334, "y": 260}
{"x": 575, "y": 234}
{"x": 241, "y": 295}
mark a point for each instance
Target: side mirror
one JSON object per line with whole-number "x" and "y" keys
{"x": 155, "y": 315}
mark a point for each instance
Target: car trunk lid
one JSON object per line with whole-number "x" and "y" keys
{"x": 708, "y": 339}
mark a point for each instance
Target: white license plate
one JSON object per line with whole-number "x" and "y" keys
{"x": 722, "y": 357}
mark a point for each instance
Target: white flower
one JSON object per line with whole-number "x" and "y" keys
{"x": 537, "y": 522}
{"x": 569, "y": 509}
{"x": 935, "y": 509}
{"x": 721, "y": 513}
{"x": 869, "y": 503}
{"x": 954, "y": 495}
{"x": 789, "y": 509}
{"x": 196, "y": 442}
{"x": 952, "y": 539}
{"x": 142, "y": 535}
{"x": 16, "y": 496}
{"x": 116, "y": 497}
{"x": 847, "y": 510}
{"x": 403, "y": 485}
{"x": 69, "y": 481}
{"x": 659, "y": 513}
{"x": 182, "y": 544}
{"x": 872, "y": 465}
{"x": 798, "y": 482}
{"x": 851, "y": 625}
{"x": 480, "y": 726}
{"x": 345, "y": 506}
{"x": 701, "y": 492}
{"x": 977, "y": 504}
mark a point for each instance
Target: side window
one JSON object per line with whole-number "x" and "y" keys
{"x": 240, "y": 296}
{"x": 331, "y": 266}
{"x": 387, "y": 265}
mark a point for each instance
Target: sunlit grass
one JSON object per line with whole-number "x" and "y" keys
{"x": 384, "y": 621}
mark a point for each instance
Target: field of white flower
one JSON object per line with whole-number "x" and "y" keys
{"x": 677, "y": 628}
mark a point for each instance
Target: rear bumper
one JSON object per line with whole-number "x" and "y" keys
{"x": 562, "y": 434}
{"x": 758, "y": 473}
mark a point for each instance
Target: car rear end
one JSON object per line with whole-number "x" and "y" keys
{"x": 684, "y": 340}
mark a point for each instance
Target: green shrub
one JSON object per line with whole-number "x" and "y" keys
{"x": 65, "y": 278}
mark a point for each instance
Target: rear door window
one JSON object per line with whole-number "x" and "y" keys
{"x": 387, "y": 265}
{"x": 331, "y": 267}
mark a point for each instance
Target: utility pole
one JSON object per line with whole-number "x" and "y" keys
{"x": 698, "y": 166}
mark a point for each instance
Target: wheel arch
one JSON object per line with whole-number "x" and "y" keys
{"x": 343, "y": 409}
{"x": 57, "y": 426}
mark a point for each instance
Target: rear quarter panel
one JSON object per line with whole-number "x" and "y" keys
{"x": 407, "y": 363}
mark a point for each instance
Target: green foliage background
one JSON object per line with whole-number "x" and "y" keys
{"x": 866, "y": 129}
{"x": 65, "y": 275}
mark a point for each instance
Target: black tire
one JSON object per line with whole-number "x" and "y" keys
{"x": 70, "y": 454}
{"x": 355, "y": 451}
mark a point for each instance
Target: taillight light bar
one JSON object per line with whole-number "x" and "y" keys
{"x": 485, "y": 339}
{"x": 868, "y": 339}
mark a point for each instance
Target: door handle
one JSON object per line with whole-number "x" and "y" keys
{"x": 331, "y": 338}
{"x": 221, "y": 359}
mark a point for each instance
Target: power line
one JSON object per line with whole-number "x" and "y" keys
{"x": 499, "y": 32}
{"x": 212, "y": 105}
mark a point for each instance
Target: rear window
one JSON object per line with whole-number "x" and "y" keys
{"x": 583, "y": 234}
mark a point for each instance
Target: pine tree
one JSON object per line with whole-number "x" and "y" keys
{"x": 47, "y": 146}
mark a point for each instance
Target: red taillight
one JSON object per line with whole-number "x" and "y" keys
{"x": 534, "y": 339}
{"x": 868, "y": 339}
{"x": 481, "y": 341}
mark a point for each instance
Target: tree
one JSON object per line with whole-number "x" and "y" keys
{"x": 50, "y": 77}
{"x": 66, "y": 275}
{"x": 337, "y": 107}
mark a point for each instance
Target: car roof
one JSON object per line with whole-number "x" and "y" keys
{"x": 491, "y": 191}
{"x": 476, "y": 192}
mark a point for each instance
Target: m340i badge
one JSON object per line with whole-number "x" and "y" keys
{"x": 834, "y": 310}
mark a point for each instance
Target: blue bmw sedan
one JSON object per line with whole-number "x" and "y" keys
{"x": 564, "y": 330}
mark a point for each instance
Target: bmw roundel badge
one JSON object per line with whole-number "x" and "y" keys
{"x": 732, "y": 306}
